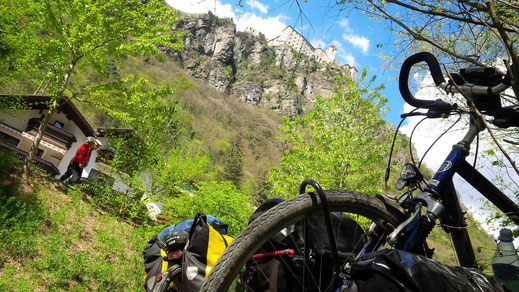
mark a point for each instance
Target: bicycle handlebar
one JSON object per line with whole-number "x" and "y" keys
{"x": 403, "y": 79}
{"x": 434, "y": 67}
{"x": 472, "y": 89}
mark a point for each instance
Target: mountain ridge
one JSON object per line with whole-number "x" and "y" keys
{"x": 243, "y": 65}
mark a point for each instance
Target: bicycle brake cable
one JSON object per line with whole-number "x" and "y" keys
{"x": 437, "y": 139}
{"x": 388, "y": 169}
{"x": 411, "y": 140}
{"x": 445, "y": 132}
{"x": 476, "y": 152}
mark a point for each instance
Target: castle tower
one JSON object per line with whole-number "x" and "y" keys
{"x": 331, "y": 50}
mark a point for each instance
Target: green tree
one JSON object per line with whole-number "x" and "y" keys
{"x": 341, "y": 143}
{"x": 185, "y": 164}
{"x": 233, "y": 168}
{"x": 144, "y": 138}
{"x": 48, "y": 40}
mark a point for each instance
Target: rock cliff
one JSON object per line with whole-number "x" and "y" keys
{"x": 244, "y": 66}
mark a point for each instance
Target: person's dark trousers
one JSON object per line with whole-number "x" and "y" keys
{"x": 73, "y": 170}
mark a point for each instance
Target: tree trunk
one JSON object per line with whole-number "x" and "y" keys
{"x": 59, "y": 99}
{"x": 37, "y": 140}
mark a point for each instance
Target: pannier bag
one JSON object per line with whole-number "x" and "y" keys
{"x": 279, "y": 266}
{"x": 194, "y": 245}
{"x": 155, "y": 263}
{"x": 397, "y": 270}
{"x": 205, "y": 246}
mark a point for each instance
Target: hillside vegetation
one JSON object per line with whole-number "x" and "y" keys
{"x": 234, "y": 154}
{"x": 239, "y": 138}
{"x": 53, "y": 238}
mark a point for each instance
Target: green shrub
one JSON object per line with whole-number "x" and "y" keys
{"x": 220, "y": 199}
{"x": 19, "y": 221}
{"x": 123, "y": 205}
{"x": 8, "y": 163}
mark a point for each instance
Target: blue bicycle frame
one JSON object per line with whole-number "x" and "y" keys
{"x": 453, "y": 220}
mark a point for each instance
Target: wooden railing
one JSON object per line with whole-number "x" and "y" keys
{"x": 39, "y": 162}
{"x": 59, "y": 134}
{"x": 105, "y": 155}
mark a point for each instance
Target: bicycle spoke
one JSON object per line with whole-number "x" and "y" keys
{"x": 293, "y": 239}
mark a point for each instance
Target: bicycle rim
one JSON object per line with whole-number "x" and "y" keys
{"x": 230, "y": 268}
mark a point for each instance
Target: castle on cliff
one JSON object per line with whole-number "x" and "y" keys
{"x": 291, "y": 38}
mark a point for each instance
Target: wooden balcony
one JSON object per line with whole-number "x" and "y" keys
{"x": 55, "y": 133}
{"x": 39, "y": 162}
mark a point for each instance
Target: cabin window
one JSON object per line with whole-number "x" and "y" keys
{"x": 100, "y": 178}
{"x": 59, "y": 124}
{"x": 9, "y": 139}
{"x": 93, "y": 175}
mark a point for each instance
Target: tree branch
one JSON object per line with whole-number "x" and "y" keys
{"x": 475, "y": 110}
{"x": 509, "y": 47}
{"x": 446, "y": 13}
{"x": 516, "y": 7}
{"x": 511, "y": 142}
{"x": 427, "y": 40}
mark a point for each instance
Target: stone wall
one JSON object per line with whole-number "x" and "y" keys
{"x": 292, "y": 39}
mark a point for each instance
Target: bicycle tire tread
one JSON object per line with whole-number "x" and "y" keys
{"x": 282, "y": 213}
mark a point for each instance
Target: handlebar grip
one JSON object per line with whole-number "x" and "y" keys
{"x": 403, "y": 79}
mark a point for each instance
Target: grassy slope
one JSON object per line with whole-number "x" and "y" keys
{"x": 52, "y": 238}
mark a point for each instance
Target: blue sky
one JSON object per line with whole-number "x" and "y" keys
{"x": 355, "y": 35}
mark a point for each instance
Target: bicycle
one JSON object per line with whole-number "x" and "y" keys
{"x": 391, "y": 223}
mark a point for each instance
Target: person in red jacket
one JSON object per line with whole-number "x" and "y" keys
{"x": 80, "y": 160}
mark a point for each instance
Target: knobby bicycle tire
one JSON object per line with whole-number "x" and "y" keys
{"x": 259, "y": 231}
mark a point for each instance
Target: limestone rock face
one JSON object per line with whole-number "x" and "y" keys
{"x": 243, "y": 65}
{"x": 218, "y": 78}
{"x": 223, "y": 44}
{"x": 249, "y": 92}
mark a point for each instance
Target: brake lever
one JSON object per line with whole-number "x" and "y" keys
{"x": 440, "y": 109}
{"x": 506, "y": 117}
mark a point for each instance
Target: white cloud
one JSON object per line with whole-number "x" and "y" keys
{"x": 344, "y": 57}
{"x": 271, "y": 27}
{"x": 357, "y": 41}
{"x": 257, "y": 5}
{"x": 351, "y": 37}
{"x": 318, "y": 43}
{"x": 202, "y": 6}
{"x": 344, "y": 23}
{"x": 349, "y": 59}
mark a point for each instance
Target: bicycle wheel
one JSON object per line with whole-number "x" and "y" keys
{"x": 173, "y": 276}
{"x": 362, "y": 208}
